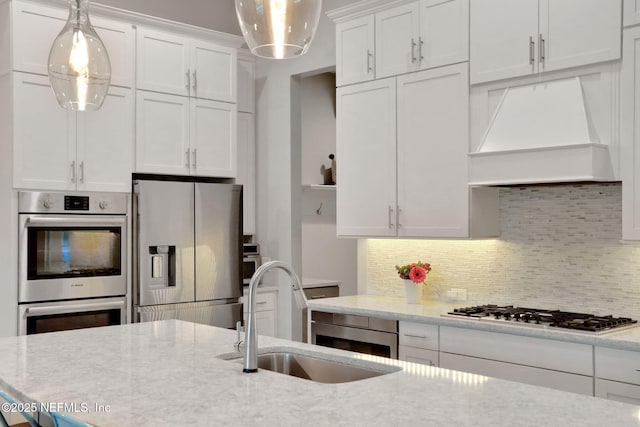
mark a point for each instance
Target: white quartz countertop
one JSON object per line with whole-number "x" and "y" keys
{"x": 396, "y": 308}
{"x": 166, "y": 373}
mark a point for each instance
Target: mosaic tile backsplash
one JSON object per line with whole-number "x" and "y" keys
{"x": 559, "y": 247}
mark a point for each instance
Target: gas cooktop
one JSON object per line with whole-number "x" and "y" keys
{"x": 579, "y": 322}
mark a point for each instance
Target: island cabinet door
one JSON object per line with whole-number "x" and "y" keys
{"x": 621, "y": 392}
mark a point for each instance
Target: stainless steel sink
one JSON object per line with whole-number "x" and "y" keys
{"x": 320, "y": 369}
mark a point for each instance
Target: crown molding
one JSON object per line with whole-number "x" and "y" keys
{"x": 363, "y": 8}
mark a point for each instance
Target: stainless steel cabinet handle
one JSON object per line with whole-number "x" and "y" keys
{"x": 318, "y": 296}
{"x": 532, "y": 45}
{"x": 260, "y": 302}
{"x": 188, "y": 162}
{"x": 195, "y": 153}
{"x": 421, "y": 42}
{"x": 73, "y": 171}
{"x": 415, "y": 336}
{"x": 82, "y": 172}
{"x": 188, "y": 80}
{"x": 390, "y": 216}
{"x": 413, "y": 51}
{"x": 195, "y": 81}
{"x": 398, "y": 210}
{"x": 369, "y": 57}
{"x": 541, "y": 52}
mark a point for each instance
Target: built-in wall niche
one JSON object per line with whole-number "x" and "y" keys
{"x": 324, "y": 256}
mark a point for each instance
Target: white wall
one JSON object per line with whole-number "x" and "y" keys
{"x": 278, "y": 133}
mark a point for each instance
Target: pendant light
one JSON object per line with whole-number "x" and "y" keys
{"x": 79, "y": 68}
{"x": 278, "y": 28}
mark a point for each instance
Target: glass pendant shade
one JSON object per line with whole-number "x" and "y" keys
{"x": 278, "y": 28}
{"x": 79, "y": 67}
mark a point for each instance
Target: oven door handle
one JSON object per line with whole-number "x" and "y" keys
{"x": 35, "y": 221}
{"x": 61, "y": 309}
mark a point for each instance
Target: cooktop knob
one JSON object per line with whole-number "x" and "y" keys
{"x": 47, "y": 203}
{"x": 103, "y": 205}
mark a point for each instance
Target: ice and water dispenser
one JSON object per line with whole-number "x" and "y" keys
{"x": 163, "y": 265}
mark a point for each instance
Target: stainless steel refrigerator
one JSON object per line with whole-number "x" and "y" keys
{"x": 187, "y": 239}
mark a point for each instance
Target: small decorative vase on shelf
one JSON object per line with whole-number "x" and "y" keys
{"x": 413, "y": 291}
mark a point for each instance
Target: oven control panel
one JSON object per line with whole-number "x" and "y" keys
{"x": 74, "y": 203}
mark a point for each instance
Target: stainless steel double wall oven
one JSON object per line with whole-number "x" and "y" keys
{"x": 72, "y": 260}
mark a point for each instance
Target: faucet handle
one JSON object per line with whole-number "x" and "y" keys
{"x": 239, "y": 344}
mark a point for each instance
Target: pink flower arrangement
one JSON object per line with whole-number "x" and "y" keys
{"x": 416, "y": 272}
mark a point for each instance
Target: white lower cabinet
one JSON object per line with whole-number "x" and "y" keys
{"x": 543, "y": 362}
{"x": 418, "y": 343}
{"x": 266, "y": 311}
{"x": 617, "y": 375}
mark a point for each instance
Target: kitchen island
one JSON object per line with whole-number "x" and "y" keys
{"x": 169, "y": 373}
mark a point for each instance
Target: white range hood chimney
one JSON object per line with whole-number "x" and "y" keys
{"x": 541, "y": 133}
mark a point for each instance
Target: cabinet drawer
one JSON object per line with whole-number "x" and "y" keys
{"x": 418, "y": 335}
{"x": 525, "y": 374}
{"x": 418, "y": 355}
{"x": 322, "y": 292}
{"x": 264, "y": 301}
{"x": 536, "y": 352}
{"x": 620, "y": 392}
{"x": 618, "y": 365}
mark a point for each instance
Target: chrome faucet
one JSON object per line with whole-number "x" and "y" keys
{"x": 251, "y": 345}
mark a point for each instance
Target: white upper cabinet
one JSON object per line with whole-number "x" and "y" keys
{"x": 88, "y": 151}
{"x": 179, "y": 65}
{"x": 398, "y": 44}
{"x": 366, "y": 147}
{"x": 393, "y": 41}
{"x": 35, "y": 26}
{"x": 631, "y": 12}
{"x": 402, "y": 144}
{"x": 185, "y": 136}
{"x": 355, "y": 51}
{"x": 511, "y": 39}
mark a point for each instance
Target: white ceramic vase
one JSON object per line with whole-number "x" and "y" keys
{"x": 413, "y": 291}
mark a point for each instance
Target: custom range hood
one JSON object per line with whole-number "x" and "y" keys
{"x": 541, "y": 133}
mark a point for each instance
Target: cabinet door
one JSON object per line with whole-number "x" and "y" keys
{"x": 162, "y": 133}
{"x": 247, "y": 170}
{"x": 630, "y": 134}
{"x": 631, "y": 12}
{"x": 397, "y": 40}
{"x": 418, "y": 355}
{"x": 355, "y": 50}
{"x": 44, "y": 137}
{"x": 500, "y": 36}
{"x": 106, "y": 144}
{"x": 246, "y": 85}
{"x": 213, "y": 72}
{"x": 578, "y": 32}
{"x": 162, "y": 62}
{"x": 119, "y": 40}
{"x": 433, "y": 142}
{"x": 213, "y": 138}
{"x": 444, "y": 32}
{"x": 34, "y": 29}
{"x": 366, "y": 150}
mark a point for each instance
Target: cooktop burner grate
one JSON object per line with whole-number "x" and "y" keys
{"x": 545, "y": 318}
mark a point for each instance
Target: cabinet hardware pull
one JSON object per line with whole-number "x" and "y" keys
{"x": 82, "y": 172}
{"x": 195, "y": 82}
{"x": 398, "y": 210}
{"x": 194, "y": 157}
{"x": 73, "y": 171}
{"x": 369, "y": 57}
{"x": 188, "y": 162}
{"x": 413, "y": 51}
{"x": 260, "y": 302}
{"x": 421, "y": 42}
{"x": 415, "y": 336}
{"x": 541, "y": 52}
{"x": 532, "y": 45}
{"x": 318, "y": 296}
{"x": 188, "y": 80}
{"x": 390, "y": 214}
